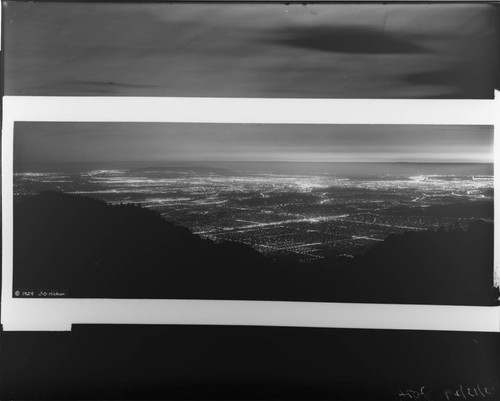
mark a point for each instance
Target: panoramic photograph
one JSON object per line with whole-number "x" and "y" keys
{"x": 365, "y": 252}
{"x": 293, "y": 212}
{"x": 246, "y": 50}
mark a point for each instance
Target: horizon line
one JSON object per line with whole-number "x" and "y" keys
{"x": 258, "y": 161}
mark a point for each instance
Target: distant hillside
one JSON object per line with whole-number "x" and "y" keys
{"x": 96, "y": 250}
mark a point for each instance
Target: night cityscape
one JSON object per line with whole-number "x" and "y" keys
{"x": 305, "y": 217}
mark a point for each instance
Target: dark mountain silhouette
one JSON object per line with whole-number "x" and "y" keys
{"x": 94, "y": 250}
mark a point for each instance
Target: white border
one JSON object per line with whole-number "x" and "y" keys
{"x": 60, "y": 314}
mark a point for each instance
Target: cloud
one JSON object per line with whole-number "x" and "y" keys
{"x": 112, "y": 142}
{"x": 342, "y": 39}
{"x": 461, "y": 81}
{"x": 251, "y": 50}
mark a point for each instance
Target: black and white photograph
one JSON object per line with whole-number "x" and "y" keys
{"x": 257, "y": 200}
{"x": 266, "y": 50}
{"x": 344, "y": 213}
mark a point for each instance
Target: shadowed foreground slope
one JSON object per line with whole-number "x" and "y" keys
{"x": 94, "y": 250}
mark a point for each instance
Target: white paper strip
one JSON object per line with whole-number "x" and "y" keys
{"x": 60, "y": 314}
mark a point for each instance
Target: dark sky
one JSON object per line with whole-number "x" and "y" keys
{"x": 126, "y": 142}
{"x": 251, "y": 50}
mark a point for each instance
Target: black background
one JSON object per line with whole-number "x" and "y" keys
{"x": 229, "y": 362}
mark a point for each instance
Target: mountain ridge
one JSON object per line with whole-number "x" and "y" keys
{"x": 95, "y": 250}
